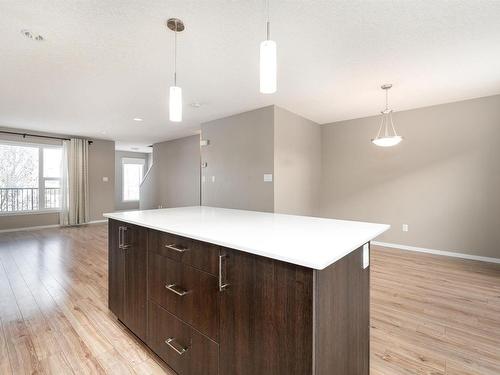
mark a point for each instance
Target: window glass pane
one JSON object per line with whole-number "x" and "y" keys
{"x": 132, "y": 176}
{"x": 18, "y": 178}
{"x": 52, "y": 162}
{"x": 52, "y": 194}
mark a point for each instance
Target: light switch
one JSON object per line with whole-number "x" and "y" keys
{"x": 105, "y": 179}
{"x": 213, "y": 178}
{"x": 366, "y": 255}
{"x": 202, "y": 178}
{"x": 268, "y": 177}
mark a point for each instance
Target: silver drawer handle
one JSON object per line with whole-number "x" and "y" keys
{"x": 171, "y": 341}
{"x": 178, "y": 248}
{"x": 176, "y": 289}
{"x": 222, "y": 272}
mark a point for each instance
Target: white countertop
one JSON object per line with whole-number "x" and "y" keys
{"x": 306, "y": 241}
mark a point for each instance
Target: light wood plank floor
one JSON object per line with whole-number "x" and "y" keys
{"x": 430, "y": 315}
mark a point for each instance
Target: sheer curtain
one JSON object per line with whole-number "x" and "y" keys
{"x": 75, "y": 186}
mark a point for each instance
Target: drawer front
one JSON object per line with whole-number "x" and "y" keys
{"x": 190, "y": 294}
{"x": 184, "y": 349}
{"x": 201, "y": 255}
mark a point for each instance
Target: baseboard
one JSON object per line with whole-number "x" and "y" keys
{"x": 50, "y": 226}
{"x": 29, "y": 228}
{"x": 437, "y": 252}
{"x": 97, "y": 221}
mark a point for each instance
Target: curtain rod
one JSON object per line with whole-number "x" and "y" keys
{"x": 24, "y": 135}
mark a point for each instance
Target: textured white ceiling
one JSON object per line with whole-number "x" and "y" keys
{"x": 105, "y": 62}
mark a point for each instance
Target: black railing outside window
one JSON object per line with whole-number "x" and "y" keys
{"x": 28, "y": 199}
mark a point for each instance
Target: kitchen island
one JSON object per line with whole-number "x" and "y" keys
{"x": 231, "y": 292}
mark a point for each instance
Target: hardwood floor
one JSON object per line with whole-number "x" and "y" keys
{"x": 434, "y": 315}
{"x": 430, "y": 315}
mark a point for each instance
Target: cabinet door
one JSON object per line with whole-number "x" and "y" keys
{"x": 116, "y": 269}
{"x": 266, "y": 317}
{"x": 135, "y": 292}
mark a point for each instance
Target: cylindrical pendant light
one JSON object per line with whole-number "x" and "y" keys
{"x": 268, "y": 64}
{"x": 175, "y": 95}
{"x": 387, "y": 136}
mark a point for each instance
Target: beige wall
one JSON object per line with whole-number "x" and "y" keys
{"x": 239, "y": 154}
{"x": 297, "y": 163}
{"x": 174, "y": 179}
{"x": 101, "y": 164}
{"x": 26, "y": 221}
{"x": 101, "y": 194}
{"x": 149, "y": 191}
{"x": 119, "y": 203}
{"x": 443, "y": 180}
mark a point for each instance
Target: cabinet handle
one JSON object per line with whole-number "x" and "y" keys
{"x": 222, "y": 272}
{"x": 120, "y": 241}
{"x": 173, "y": 345}
{"x": 176, "y": 289}
{"x": 121, "y": 238}
{"x": 178, "y": 248}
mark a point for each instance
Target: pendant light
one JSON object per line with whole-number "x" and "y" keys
{"x": 175, "y": 97}
{"x": 387, "y": 136}
{"x": 268, "y": 60}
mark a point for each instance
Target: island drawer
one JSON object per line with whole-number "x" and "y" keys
{"x": 201, "y": 255}
{"x": 184, "y": 349}
{"x": 190, "y": 294}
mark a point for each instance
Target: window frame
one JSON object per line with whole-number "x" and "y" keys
{"x": 41, "y": 178}
{"x": 131, "y": 161}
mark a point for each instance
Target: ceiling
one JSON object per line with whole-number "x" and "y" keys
{"x": 105, "y": 62}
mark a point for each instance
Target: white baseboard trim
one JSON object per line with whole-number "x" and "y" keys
{"x": 50, "y": 226}
{"x": 29, "y": 228}
{"x": 437, "y": 252}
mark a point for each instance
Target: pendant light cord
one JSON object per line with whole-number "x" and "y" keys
{"x": 268, "y": 24}
{"x": 175, "y": 55}
{"x": 386, "y": 99}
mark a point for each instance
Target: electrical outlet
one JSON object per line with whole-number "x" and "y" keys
{"x": 404, "y": 228}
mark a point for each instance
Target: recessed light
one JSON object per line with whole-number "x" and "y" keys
{"x": 30, "y": 35}
{"x": 138, "y": 119}
{"x": 196, "y": 104}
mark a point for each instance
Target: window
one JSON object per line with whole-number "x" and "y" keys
{"x": 133, "y": 171}
{"x": 30, "y": 177}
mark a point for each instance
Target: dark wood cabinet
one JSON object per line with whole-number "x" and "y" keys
{"x": 208, "y": 310}
{"x": 266, "y": 317}
{"x": 116, "y": 269}
{"x": 200, "y": 255}
{"x": 127, "y": 275}
{"x": 183, "y": 348}
{"x": 190, "y": 294}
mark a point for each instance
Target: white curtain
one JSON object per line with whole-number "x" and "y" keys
{"x": 75, "y": 186}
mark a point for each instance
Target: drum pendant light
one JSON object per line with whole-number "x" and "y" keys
{"x": 175, "y": 97}
{"x": 268, "y": 65}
